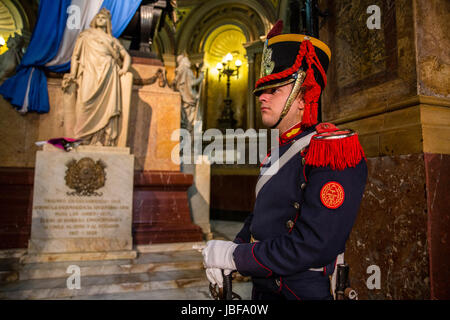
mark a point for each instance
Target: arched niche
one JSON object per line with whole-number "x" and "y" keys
{"x": 255, "y": 18}
{"x": 13, "y": 19}
{"x": 200, "y": 22}
{"x": 228, "y": 38}
{"x": 206, "y": 21}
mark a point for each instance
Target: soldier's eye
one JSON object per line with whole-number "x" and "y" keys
{"x": 276, "y": 90}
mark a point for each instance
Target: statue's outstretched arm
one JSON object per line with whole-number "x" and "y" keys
{"x": 198, "y": 80}
{"x": 126, "y": 61}
{"x": 75, "y": 62}
{"x": 71, "y": 78}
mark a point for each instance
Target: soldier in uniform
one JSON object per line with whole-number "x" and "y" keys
{"x": 305, "y": 210}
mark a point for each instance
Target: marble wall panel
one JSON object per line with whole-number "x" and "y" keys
{"x": 18, "y": 134}
{"x": 161, "y": 210}
{"x": 436, "y": 128}
{"x": 154, "y": 116}
{"x": 369, "y": 68}
{"x": 433, "y": 40}
{"x": 437, "y": 168}
{"x": 391, "y": 230}
{"x": 233, "y": 192}
{"x": 16, "y": 196}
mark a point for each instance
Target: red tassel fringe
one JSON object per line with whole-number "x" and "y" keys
{"x": 336, "y": 153}
{"x": 311, "y": 96}
{"x": 313, "y": 89}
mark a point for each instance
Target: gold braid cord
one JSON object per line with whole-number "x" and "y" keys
{"x": 294, "y": 93}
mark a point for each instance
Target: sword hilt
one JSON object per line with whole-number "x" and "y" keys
{"x": 227, "y": 286}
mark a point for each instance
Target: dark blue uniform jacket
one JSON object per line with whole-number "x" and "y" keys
{"x": 295, "y": 231}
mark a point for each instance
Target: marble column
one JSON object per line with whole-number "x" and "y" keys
{"x": 252, "y": 49}
{"x": 251, "y": 99}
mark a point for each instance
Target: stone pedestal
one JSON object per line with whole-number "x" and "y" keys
{"x": 160, "y": 207}
{"x": 82, "y": 205}
{"x": 155, "y": 116}
{"x": 199, "y": 194}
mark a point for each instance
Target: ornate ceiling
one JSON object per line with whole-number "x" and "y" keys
{"x": 200, "y": 18}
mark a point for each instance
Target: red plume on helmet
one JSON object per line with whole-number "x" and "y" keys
{"x": 276, "y": 30}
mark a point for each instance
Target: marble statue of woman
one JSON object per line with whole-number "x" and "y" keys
{"x": 98, "y": 62}
{"x": 185, "y": 82}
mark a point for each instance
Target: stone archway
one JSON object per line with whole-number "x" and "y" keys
{"x": 201, "y": 19}
{"x": 227, "y": 38}
{"x": 253, "y": 19}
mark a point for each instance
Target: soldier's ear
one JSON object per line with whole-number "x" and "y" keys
{"x": 300, "y": 98}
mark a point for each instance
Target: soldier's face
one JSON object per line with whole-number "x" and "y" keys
{"x": 273, "y": 101}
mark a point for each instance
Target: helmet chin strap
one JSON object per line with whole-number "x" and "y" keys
{"x": 300, "y": 77}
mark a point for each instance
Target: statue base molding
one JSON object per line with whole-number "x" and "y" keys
{"x": 161, "y": 208}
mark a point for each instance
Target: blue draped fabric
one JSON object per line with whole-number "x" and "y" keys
{"x": 121, "y": 13}
{"x": 44, "y": 46}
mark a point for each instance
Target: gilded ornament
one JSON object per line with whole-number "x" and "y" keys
{"x": 85, "y": 177}
{"x": 267, "y": 65}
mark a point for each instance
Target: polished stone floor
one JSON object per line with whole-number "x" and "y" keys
{"x": 225, "y": 229}
{"x": 169, "y": 272}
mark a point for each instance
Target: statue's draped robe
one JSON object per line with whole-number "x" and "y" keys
{"x": 99, "y": 97}
{"x": 185, "y": 81}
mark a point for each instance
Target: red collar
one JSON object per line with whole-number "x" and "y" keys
{"x": 289, "y": 134}
{"x": 286, "y": 137}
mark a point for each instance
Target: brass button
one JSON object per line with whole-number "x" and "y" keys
{"x": 303, "y": 186}
{"x": 303, "y": 161}
{"x": 296, "y": 205}
{"x": 289, "y": 224}
{"x": 277, "y": 282}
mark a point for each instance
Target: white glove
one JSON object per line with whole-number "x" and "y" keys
{"x": 219, "y": 254}
{"x": 214, "y": 275}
